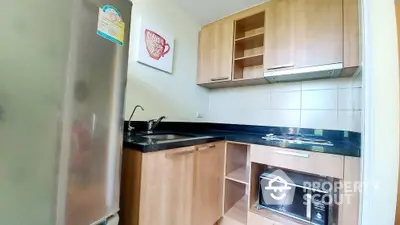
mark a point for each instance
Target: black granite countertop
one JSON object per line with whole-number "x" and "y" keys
{"x": 136, "y": 142}
{"x": 341, "y": 146}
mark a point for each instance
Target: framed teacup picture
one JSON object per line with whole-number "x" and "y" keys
{"x": 156, "y": 48}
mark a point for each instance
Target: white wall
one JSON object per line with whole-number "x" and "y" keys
{"x": 323, "y": 104}
{"x": 381, "y": 132}
{"x": 174, "y": 95}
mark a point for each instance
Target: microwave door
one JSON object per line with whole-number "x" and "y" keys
{"x": 297, "y": 208}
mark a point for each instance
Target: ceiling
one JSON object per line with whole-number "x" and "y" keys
{"x": 207, "y": 11}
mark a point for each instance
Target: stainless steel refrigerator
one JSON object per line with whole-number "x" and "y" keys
{"x": 63, "y": 71}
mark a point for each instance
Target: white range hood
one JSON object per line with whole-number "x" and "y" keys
{"x": 306, "y": 73}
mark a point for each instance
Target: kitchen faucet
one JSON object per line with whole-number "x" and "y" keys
{"x": 152, "y": 124}
{"x": 130, "y": 128}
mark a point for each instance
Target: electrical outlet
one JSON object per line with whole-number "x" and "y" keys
{"x": 199, "y": 115}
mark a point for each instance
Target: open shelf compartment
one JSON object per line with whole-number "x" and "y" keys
{"x": 237, "y": 163}
{"x": 249, "y": 26}
{"x": 236, "y": 202}
{"x": 256, "y": 170}
{"x": 236, "y": 184}
{"x": 249, "y": 47}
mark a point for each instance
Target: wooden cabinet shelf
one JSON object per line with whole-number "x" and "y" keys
{"x": 252, "y": 41}
{"x": 240, "y": 175}
{"x": 253, "y": 60}
{"x": 253, "y": 36}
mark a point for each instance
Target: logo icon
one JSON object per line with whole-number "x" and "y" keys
{"x": 276, "y": 188}
{"x": 281, "y": 189}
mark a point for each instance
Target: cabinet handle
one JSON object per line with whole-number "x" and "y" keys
{"x": 281, "y": 67}
{"x": 205, "y": 147}
{"x": 175, "y": 154}
{"x": 308, "y": 211}
{"x": 219, "y": 78}
{"x": 302, "y": 155}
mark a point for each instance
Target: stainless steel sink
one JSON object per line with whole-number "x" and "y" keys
{"x": 167, "y": 137}
{"x": 163, "y": 138}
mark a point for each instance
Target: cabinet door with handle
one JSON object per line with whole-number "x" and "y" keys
{"x": 318, "y": 32}
{"x": 279, "y": 35}
{"x": 208, "y": 185}
{"x": 206, "y": 61}
{"x": 303, "y": 33}
{"x": 216, "y": 52}
{"x": 167, "y": 187}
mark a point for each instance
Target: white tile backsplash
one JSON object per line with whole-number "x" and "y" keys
{"x": 291, "y": 86}
{"x": 246, "y": 101}
{"x": 350, "y": 120}
{"x": 320, "y": 99}
{"x": 345, "y": 99}
{"x": 320, "y": 84}
{"x": 323, "y": 104}
{"x": 357, "y": 99}
{"x": 285, "y": 118}
{"x": 357, "y": 121}
{"x": 357, "y": 80}
{"x": 286, "y": 100}
{"x": 319, "y": 119}
{"x": 345, "y": 82}
{"x": 250, "y": 117}
{"x": 345, "y": 120}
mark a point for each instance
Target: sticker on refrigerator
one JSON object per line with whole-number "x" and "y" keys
{"x": 110, "y": 25}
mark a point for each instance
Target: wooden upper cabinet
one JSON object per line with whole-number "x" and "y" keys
{"x": 318, "y": 32}
{"x": 208, "y": 184}
{"x": 215, "y": 52}
{"x": 303, "y": 33}
{"x": 351, "y": 29}
{"x": 206, "y": 62}
{"x": 279, "y": 35}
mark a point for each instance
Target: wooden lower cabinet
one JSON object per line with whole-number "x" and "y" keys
{"x": 173, "y": 187}
{"x": 166, "y": 187}
{"x": 185, "y": 186}
{"x": 208, "y": 184}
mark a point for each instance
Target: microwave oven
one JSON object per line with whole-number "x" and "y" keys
{"x": 304, "y": 197}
